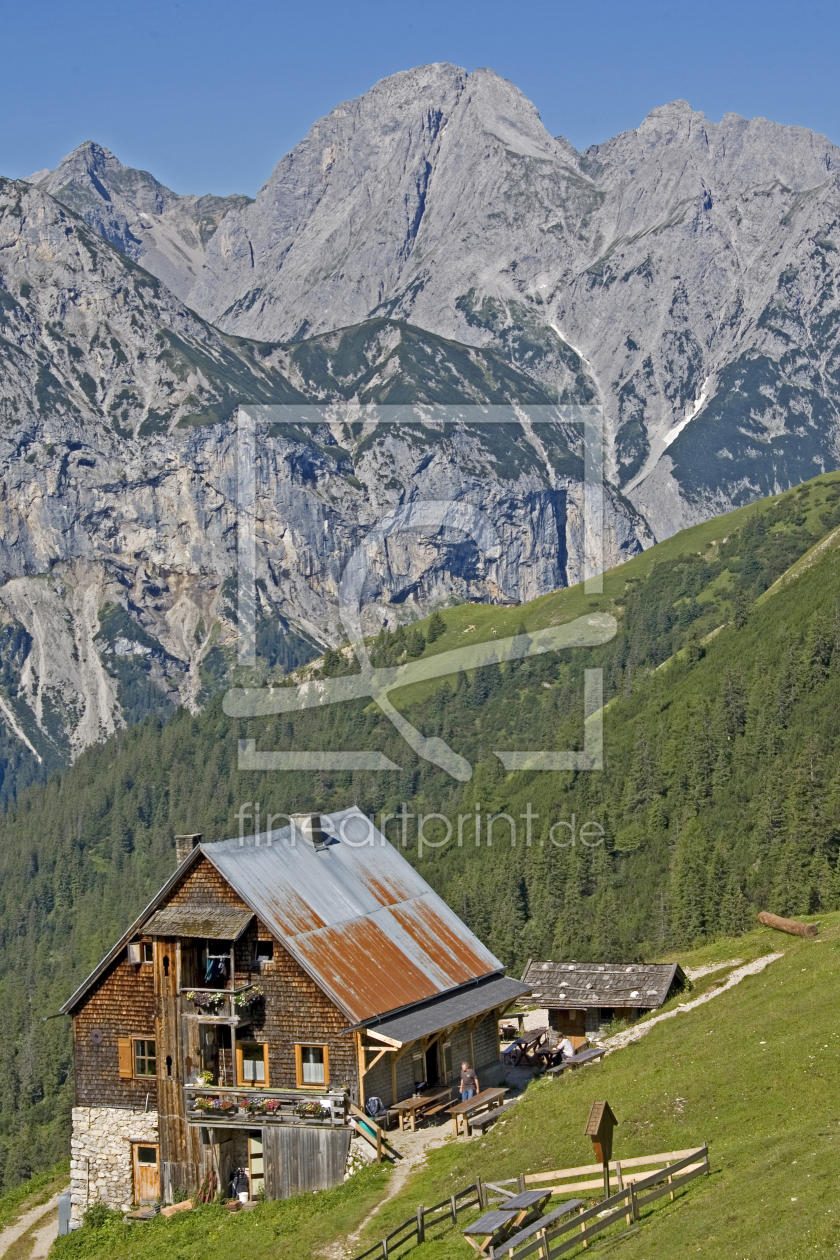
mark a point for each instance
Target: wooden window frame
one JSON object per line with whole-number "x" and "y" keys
{"x": 127, "y": 1059}
{"x": 316, "y": 1086}
{"x": 240, "y": 1065}
{"x": 147, "y": 946}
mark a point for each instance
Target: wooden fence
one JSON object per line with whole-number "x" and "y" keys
{"x": 414, "y": 1229}
{"x": 626, "y": 1204}
{"x": 636, "y": 1189}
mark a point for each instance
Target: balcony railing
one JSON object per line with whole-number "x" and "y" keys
{"x": 223, "y": 1006}
{"x": 215, "y": 1105}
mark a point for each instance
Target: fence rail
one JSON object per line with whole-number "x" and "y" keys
{"x": 636, "y": 1190}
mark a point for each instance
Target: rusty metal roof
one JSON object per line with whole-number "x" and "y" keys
{"x": 574, "y": 985}
{"x": 219, "y": 923}
{"x": 355, "y": 915}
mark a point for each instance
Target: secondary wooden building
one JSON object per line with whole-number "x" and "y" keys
{"x": 272, "y": 981}
{"x": 583, "y": 997}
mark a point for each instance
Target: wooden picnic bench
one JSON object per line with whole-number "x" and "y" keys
{"x": 498, "y": 1222}
{"x": 578, "y": 1060}
{"x": 539, "y": 1226}
{"x": 485, "y": 1100}
{"x": 522, "y": 1048}
{"x": 486, "y": 1118}
{"x": 418, "y": 1104}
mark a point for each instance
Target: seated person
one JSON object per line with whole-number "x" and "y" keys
{"x": 563, "y": 1050}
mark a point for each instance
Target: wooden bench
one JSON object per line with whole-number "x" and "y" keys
{"x": 538, "y": 1226}
{"x": 487, "y": 1118}
{"x": 443, "y": 1105}
{"x": 578, "y": 1060}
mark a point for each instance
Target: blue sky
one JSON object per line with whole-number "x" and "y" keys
{"x": 209, "y": 95}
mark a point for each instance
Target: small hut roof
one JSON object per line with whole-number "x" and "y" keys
{"x": 574, "y": 985}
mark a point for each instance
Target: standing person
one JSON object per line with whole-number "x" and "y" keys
{"x": 469, "y": 1082}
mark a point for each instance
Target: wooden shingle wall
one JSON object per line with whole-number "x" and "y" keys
{"x": 122, "y": 1004}
{"x": 296, "y": 1010}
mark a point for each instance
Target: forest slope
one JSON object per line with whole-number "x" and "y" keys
{"x": 719, "y": 792}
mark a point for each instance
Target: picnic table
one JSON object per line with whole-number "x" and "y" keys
{"x": 578, "y": 1060}
{"x": 541, "y": 1224}
{"x": 485, "y": 1100}
{"x": 502, "y": 1220}
{"x": 416, "y": 1105}
{"x": 522, "y": 1048}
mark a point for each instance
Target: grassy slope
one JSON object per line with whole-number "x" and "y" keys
{"x": 753, "y": 1073}
{"x": 768, "y": 1112}
{"x": 297, "y": 1228}
{"x": 481, "y": 623}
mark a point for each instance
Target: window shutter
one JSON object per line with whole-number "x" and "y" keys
{"x": 124, "y": 1051}
{"x": 265, "y": 1062}
{"x": 299, "y": 1066}
{"x": 240, "y": 1067}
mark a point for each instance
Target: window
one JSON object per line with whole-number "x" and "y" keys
{"x": 137, "y": 1056}
{"x": 251, "y": 1063}
{"x": 418, "y": 1064}
{"x": 265, "y": 951}
{"x": 148, "y": 952}
{"x": 145, "y": 1060}
{"x": 447, "y": 1062}
{"x": 313, "y": 1066}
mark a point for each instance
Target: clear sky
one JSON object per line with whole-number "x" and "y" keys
{"x": 209, "y": 94}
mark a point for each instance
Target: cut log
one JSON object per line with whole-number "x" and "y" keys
{"x": 787, "y": 925}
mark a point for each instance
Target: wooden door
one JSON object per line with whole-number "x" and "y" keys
{"x": 256, "y": 1166}
{"x": 146, "y": 1172}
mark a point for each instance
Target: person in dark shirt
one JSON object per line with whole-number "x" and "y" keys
{"x": 469, "y": 1082}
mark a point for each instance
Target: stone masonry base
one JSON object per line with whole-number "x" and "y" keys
{"x": 101, "y": 1156}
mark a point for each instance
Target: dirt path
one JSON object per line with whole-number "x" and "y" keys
{"x": 626, "y": 1038}
{"x": 414, "y": 1147}
{"x": 25, "y": 1222}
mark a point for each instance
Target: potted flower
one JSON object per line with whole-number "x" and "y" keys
{"x": 256, "y": 1107}
{"x": 248, "y": 997}
{"x": 205, "y": 1077}
{"x": 272, "y": 1106}
{"x": 203, "y": 1104}
{"x": 226, "y": 1105}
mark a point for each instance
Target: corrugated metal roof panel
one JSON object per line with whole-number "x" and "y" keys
{"x": 355, "y": 914}
{"x": 220, "y": 923}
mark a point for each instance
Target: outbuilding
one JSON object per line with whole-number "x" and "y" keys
{"x": 583, "y": 997}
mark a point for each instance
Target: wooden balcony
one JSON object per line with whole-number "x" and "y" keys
{"x": 218, "y": 1006}
{"x": 218, "y": 1107}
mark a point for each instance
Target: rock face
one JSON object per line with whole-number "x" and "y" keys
{"x": 118, "y": 519}
{"x": 131, "y": 209}
{"x": 685, "y": 270}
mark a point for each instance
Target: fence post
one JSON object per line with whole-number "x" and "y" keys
{"x": 453, "y": 1209}
{"x": 482, "y": 1193}
{"x": 378, "y": 1145}
{"x": 384, "y": 1249}
{"x": 633, "y": 1202}
{"x": 670, "y": 1182}
{"x": 583, "y": 1226}
{"x": 521, "y": 1183}
{"x": 421, "y": 1224}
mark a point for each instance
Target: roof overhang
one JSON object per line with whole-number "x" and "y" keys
{"x": 210, "y": 922}
{"x": 446, "y": 1011}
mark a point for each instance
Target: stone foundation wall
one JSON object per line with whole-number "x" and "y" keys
{"x": 100, "y": 1155}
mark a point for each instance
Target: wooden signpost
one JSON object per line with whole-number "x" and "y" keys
{"x": 600, "y": 1127}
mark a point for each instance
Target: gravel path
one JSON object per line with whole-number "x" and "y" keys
{"x": 25, "y": 1222}
{"x": 626, "y": 1038}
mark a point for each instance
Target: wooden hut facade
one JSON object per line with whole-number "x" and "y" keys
{"x": 583, "y": 997}
{"x": 272, "y": 980}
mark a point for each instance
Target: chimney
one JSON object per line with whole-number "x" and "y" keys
{"x": 184, "y": 846}
{"x": 309, "y": 826}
